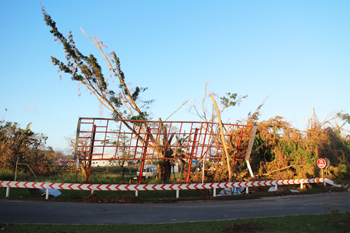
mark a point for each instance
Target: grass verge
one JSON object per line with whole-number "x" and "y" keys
{"x": 303, "y": 223}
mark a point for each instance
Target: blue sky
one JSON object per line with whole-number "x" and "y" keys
{"x": 295, "y": 52}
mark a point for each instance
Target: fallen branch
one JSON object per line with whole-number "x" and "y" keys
{"x": 282, "y": 169}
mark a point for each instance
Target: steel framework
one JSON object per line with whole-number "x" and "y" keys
{"x": 129, "y": 140}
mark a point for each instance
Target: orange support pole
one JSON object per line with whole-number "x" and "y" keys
{"x": 144, "y": 154}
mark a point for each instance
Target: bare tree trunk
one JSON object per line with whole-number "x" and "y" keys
{"x": 82, "y": 169}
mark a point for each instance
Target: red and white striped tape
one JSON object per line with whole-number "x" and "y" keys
{"x": 147, "y": 187}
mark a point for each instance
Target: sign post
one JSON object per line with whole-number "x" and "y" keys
{"x": 322, "y": 163}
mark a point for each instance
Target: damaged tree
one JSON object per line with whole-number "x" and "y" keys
{"x": 87, "y": 71}
{"x": 125, "y": 103}
{"x": 19, "y": 145}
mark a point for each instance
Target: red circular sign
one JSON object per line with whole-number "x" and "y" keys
{"x": 321, "y": 163}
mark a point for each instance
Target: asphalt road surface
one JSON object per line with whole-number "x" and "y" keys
{"x": 186, "y": 211}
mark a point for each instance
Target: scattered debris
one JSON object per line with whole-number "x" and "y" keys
{"x": 52, "y": 192}
{"x": 235, "y": 191}
{"x": 294, "y": 191}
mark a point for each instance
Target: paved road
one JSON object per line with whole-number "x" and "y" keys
{"x": 67, "y": 212}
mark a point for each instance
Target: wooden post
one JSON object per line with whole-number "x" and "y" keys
{"x": 223, "y": 141}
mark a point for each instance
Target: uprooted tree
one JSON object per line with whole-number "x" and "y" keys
{"x": 124, "y": 103}
{"x": 284, "y": 152}
{"x": 87, "y": 71}
{"x": 281, "y": 151}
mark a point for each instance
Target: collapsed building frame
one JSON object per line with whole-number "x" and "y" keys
{"x": 132, "y": 140}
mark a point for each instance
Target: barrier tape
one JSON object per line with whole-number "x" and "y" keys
{"x": 147, "y": 187}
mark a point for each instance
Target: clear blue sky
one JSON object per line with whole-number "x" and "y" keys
{"x": 295, "y": 52}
